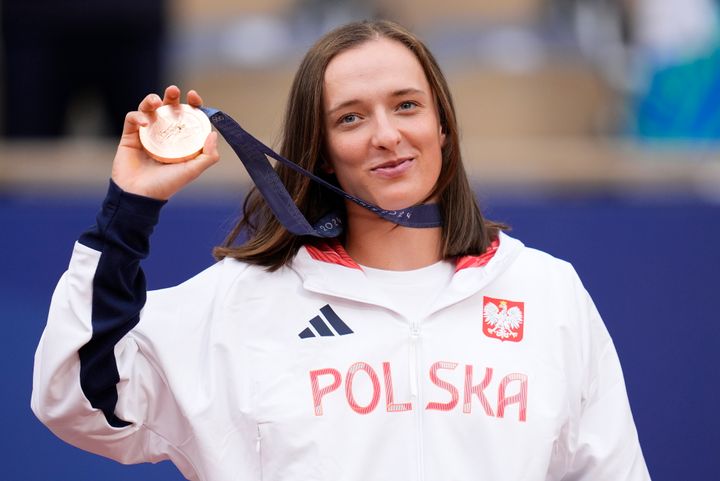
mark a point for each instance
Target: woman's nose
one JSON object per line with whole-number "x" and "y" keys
{"x": 386, "y": 134}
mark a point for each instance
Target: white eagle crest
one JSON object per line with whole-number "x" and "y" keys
{"x": 503, "y": 321}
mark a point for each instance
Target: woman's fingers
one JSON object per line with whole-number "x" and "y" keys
{"x": 133, "y": 121}
{"x": 210, "y": 149}
{"x": 172, "y": 96}
{"x": 207, "y": 158}
{"x": 194, "y": 99}
{"x": 150, "y": 103}
{"x": 209, "y": 154}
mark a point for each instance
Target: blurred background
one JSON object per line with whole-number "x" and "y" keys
{"x": 590, "y": 126}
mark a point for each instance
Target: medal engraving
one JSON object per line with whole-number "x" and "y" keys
{"x": 176, "y": 133}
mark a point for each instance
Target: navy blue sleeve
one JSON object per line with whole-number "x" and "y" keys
{"x": 122, "y": 236}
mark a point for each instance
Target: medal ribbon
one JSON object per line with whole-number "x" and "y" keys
{"x": 253, "y": 155}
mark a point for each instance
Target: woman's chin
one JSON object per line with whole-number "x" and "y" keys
{"x": 403, "y": 202}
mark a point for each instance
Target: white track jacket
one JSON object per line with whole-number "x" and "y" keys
{"x": 304, "y": 374}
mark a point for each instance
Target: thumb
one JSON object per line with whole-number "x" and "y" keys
{"x": 208, "y": 157}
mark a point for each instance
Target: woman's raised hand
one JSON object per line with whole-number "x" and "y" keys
{"x": 136, "y": 172}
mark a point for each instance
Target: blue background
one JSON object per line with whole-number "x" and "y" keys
{"x": 650, "y": 262}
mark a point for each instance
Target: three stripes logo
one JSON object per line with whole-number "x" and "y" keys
{"x": 322, "y": 328}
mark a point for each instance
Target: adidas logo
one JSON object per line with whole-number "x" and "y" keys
{"x": 322, "y": 328}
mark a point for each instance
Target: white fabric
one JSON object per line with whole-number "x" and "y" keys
{"x": 411, "y": 293}
{"x": 216, "y": 378}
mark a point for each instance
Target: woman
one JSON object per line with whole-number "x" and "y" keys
{"x": 388, "y": 353}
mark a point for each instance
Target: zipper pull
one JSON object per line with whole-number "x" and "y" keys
{"x": 415, "y": 332}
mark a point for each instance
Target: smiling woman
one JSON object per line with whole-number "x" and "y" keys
{"x": 320, "y": 121}
{"x": 364, "y": 65}
{"x": 383, "y": 143}
{"x": 389, "y": 352}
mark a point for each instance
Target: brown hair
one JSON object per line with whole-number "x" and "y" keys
{"x": 269, "y": 244}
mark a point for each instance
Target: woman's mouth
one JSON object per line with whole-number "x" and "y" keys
{"x": 393, "y": 168}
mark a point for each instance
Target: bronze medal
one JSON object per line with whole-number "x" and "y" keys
{"x": 176, "y": 133}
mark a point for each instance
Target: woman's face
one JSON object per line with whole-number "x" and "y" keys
{"x": 384, "y": 138}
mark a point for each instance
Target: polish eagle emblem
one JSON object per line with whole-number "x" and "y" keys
{"x": 503, "y": 319}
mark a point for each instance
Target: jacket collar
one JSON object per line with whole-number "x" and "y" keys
{"x": 328, "y": 269}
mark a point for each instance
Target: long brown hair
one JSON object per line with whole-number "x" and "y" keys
{"x": 269, "y": 244}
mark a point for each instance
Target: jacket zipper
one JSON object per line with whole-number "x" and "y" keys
{"x": 415, "y": 394}
{"x": 258, "y": 449}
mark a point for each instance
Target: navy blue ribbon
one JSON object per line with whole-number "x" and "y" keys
{"x": 254, "y": 156}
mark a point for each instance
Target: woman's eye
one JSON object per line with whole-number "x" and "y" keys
{"x": 348, "y": 119}
{"x": 407, "y": 105}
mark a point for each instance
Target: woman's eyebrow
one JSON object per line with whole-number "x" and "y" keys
{"x": 407, "y": 91}
{"x": 343, "y": 105}
{"x": 396, "y": 93}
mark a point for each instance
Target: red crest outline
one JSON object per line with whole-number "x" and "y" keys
{"x": 503, "y": 319}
